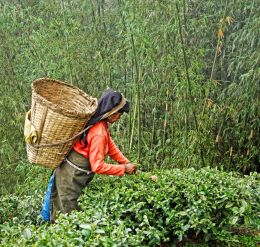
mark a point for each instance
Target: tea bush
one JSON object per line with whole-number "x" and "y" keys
{"x": 23, "y": 177}
{"x": 135, "y": 211}
{"x": 21, "y": 209}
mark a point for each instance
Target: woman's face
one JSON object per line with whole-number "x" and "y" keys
{"x": 114, "y": 117}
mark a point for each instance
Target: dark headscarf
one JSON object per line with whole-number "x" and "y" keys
{"x": 110, "y": 102}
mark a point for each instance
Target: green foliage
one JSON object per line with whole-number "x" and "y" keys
{"x": 22, "y": 177}
{"x": 135, "y": 211}
{"x": 135, "y": 46}
{"x": 21, "y": 209}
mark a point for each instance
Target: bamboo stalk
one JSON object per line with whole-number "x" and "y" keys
{"x": 130, "y": 124}
{"x": 66, "y": 39}
{"x": 153, "y": 132}
{"x": 133, "y": 126}
{"x": 103, "y": 14}
{"x": 214, "y": 61}
{"x": 93, "y": 13}
{"x": 218, "y": 45}
{"x": 165, "y": 119}
{"x": 189, "y": 83}
{"x": 138, "y": 96}
{"x": 217, "y": 139}
{"x": 184, "y": 14}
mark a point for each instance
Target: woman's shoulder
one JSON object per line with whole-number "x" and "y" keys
{"x": 100, "y": 128}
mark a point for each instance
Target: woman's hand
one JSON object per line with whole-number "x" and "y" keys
{"x": 130, "y": 168}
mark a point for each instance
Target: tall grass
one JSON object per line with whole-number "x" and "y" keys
{"x": 194, "y": 90}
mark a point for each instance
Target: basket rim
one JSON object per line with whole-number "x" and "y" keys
{"x": 59, "y": 109}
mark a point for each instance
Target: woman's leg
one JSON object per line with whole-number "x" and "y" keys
{"x": 67, "y": 187}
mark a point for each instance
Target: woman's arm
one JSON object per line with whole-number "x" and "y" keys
{"x": 115, "y": 153}
{"x": 97, "y": 152}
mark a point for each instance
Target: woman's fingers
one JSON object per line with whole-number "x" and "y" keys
{"x": 130, "y": 168}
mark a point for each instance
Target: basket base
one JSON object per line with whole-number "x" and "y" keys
{"x": 46, "y": 157}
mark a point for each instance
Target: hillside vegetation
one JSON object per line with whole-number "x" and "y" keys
{"x": 191, "y": 72}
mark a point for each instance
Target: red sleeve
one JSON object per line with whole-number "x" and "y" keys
{"x": 97, "y": 154}
{"x": 115, "y": 153}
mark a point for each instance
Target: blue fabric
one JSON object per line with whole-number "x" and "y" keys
{"x": 46, "y": 207}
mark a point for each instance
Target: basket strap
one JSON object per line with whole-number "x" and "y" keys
{"x": 77, "y": 168}
{"x": 45, "y": 110}
{"x": 61, "y": 142}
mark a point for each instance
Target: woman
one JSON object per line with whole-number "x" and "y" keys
{"x": 87, "y": 156}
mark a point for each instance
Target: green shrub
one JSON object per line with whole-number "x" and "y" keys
{"x": 135, "y": 211}
{"x": 21, "y": 209}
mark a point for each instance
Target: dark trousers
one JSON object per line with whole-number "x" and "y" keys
{"x": 68, "y": 184}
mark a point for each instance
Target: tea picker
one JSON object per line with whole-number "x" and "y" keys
{"x": 69, "y": 133}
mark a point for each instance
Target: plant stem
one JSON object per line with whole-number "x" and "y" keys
{"x": 214, "y": 61}
{"x": 138, "y": 95}
{"x": 66, "y": 39}
{"x": 132, "y": 129}
{"x": 189, "y": 83}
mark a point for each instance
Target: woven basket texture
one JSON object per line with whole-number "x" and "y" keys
{"x": 59, "y": 111}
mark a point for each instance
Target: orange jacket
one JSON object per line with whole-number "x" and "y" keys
{"x": 99, "y": 144}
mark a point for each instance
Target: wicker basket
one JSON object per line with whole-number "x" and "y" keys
{"x": 59, "y": 112}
